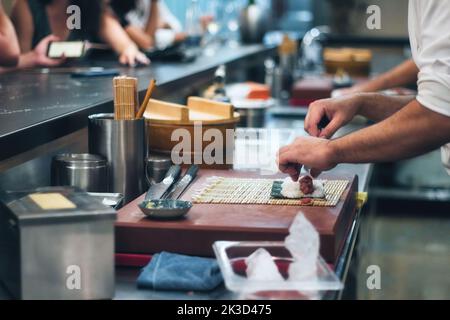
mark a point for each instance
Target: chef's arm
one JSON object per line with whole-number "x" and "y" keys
{"x": 377, "y": 106}
{"x": 403, "y": 74}
{"x": 342, "y": 110}
{"x": 411, "y": 131}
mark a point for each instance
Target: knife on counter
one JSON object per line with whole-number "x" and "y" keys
{"x": 157, "y": 191}
{"x": 181, "y": 186}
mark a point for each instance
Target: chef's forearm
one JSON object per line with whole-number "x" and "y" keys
{"x": 377, "y": 106}
{"x": 404, "y": 74}
{"x": 412, "y": 131}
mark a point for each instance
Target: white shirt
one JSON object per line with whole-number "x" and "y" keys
{"x": 139, "y": 17}
{"x": 429, "y": 33}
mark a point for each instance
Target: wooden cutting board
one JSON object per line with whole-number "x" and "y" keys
{"x": 207, "y": 223}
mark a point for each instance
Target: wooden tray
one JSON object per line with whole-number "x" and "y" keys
{"x": 207, "y": 223}
{"x": 163, "y": 119}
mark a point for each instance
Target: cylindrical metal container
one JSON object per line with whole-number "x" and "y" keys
{"x": 123, "y": 144}
{"x": 156, "y": 168}
{"x": 85, "y": 171}
{"x": 253, "y": 112}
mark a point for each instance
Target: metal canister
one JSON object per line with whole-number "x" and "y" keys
{"x": 123, "y": 144}
{"x": 156, "y": 167}
{"x": 85, "y": 171}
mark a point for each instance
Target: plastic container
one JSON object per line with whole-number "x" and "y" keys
{"x": 231, "y": 259}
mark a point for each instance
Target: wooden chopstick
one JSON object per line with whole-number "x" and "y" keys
{"x": 148, "y": 95}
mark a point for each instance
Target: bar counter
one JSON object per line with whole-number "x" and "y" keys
{"x": 39, "y": 106}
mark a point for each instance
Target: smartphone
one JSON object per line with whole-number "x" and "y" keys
{"x": 95, "y": 72}
{"x": 68, "y": 49}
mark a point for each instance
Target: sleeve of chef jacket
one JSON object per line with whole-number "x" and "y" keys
{"x": 433, "y": 57}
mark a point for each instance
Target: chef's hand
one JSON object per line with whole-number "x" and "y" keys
{"x": 339, "y": 111}
{"x": 316, "y": 153}
{"x": 132, "y": 56}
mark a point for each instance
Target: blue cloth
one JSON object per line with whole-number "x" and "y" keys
{"x": 168, "y": 271}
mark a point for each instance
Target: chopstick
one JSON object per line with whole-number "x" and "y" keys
{"x": 148, "y": 95}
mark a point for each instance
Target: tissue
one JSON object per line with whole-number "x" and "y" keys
{"x": 261, "y": 267}
{"x": 303, "y": 243}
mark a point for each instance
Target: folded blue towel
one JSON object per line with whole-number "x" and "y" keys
{"x": 168, "y": 271}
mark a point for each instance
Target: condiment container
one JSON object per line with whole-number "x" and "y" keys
{"x": 85, "y": 171}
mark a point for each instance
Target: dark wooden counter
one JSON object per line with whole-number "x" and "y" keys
{"x": 38, "y": 107}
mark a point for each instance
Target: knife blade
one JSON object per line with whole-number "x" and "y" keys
{"x": 157, "y": 191}
{"x": 308, "y": 171}
{"x": 179, "y": 187}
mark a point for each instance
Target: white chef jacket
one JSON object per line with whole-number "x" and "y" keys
{"x": 429, "y": 32}
{"x": 139, "y": 17}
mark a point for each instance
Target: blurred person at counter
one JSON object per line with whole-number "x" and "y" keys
{"x": 39, "y": 22}
{"x": 149, "y": 23}
{"x": 9, "y": 46}
{"x": 406, "y": 126}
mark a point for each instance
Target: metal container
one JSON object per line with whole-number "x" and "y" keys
{"x": 123, "y": 144}
{"x": 253, "y": 112}
{"x": 156, "y": 168}
{"x": 85, "y": 171}
{"x": 56, "y": 243}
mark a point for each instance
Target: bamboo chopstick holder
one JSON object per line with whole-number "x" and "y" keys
{"x": 125, "y": 98}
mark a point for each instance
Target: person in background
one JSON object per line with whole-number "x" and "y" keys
{"x": 9, "y": 46}
{"x": 404, "y": 74}
{"x": 149, "y": 23}
{"x": 406, "y": 126}
{"x": 38, "y": 22}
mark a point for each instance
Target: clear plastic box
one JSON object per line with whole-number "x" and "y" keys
{"x": 231, "y": 259}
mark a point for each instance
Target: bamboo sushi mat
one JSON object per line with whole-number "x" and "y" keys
{"x": 220, "y": 190}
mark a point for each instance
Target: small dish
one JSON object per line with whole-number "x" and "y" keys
{"x": 165, "y": 209}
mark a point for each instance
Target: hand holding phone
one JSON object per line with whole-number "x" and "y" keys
{"x": 66, "y": 49}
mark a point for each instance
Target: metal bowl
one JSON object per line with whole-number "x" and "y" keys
{"x": 165, "y": 209}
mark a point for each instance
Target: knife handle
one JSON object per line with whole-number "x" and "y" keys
{"x": 174, "y": 172}
{"x": 192, "y": 171}
{"x": 324, "y": 122}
